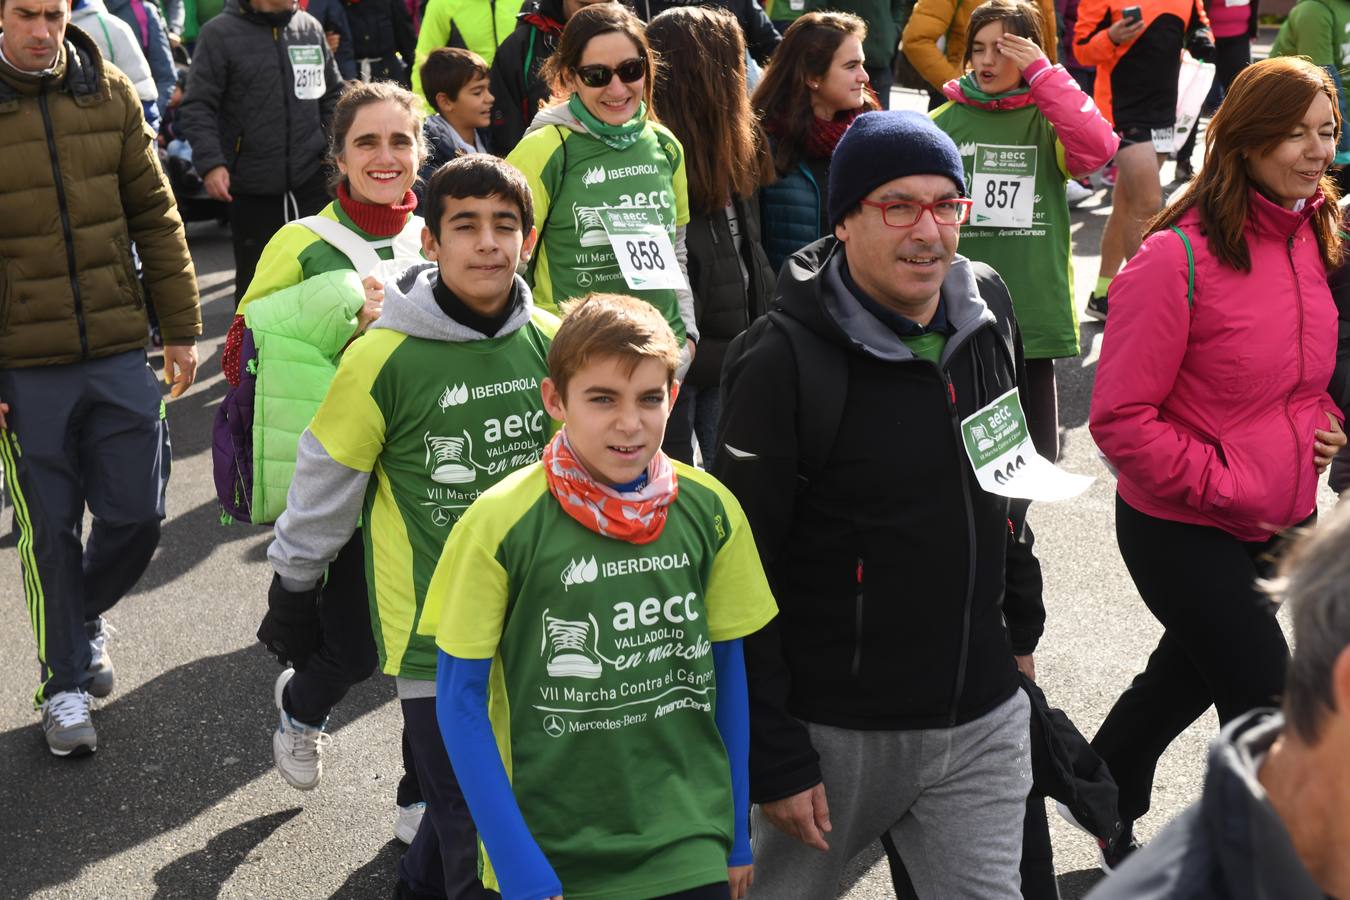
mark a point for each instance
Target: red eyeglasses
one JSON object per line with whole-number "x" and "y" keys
{"x": 906, "y": 213}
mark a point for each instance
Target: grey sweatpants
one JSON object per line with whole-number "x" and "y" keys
{"x": 90, "y": 433}
{"x": 952, "y": 798}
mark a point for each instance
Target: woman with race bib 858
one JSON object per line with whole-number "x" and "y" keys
{"x": 609, "y": 185}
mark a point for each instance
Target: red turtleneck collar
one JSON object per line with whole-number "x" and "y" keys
{"x": 377, "y": 219}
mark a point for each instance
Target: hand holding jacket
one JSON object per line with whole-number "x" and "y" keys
{"x": 290, "y": 629}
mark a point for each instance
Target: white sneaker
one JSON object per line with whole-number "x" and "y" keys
{"x": 1075, "y": 192}
{"x": 297, "y": 748}
{"x": 67, "y": 725}
{"x": 100, "y": 663}
{"x": 408, "y": 820}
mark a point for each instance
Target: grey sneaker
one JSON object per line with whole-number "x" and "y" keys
{"x": 67, "y": 725}
{"x": 100, "y": 664}
{"x": 297, "y": 748}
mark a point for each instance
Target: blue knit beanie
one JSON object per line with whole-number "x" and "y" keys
{"x": 883, "y": 146}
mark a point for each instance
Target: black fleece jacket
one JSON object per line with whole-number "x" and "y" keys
{"x": 893, "y": 570}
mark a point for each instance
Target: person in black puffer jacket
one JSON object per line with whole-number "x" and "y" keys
{"x": 383, "y": 40}
{"x": 727, "y": 160}
{"x": 260, "y": 95}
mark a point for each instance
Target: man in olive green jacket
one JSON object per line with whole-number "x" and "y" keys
{"x": 81, "y": 414}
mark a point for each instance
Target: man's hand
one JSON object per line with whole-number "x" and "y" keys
{"x": 804, "y": 816}
{"x": 1026, "y": 665}
{"x": 217, "y": 183}
{"x": 334, "y": 38}
{"x": 1329, "y": 443}
{"x": 4, "y": 408}
{"x": 180, "y": 367}
{"x": 1122, "y": 31}
{"x": 741, "y": 877}
{"x": 290, "y": 630}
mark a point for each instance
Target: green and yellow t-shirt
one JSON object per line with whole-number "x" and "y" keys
{"x": 436, "y": 423}
{"x": 572, "y": 176}
{"x": 602, "y": 691}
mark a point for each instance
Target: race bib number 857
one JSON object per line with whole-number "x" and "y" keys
{"x": 1004, "y": 186}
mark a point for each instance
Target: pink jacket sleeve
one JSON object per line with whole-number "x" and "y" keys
{"x": 1089, "y": 140}
{"x": 1142, "y": 350}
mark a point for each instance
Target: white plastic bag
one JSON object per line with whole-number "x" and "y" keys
{"x": 1193, "y": 86}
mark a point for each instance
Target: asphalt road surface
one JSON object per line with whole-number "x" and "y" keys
{"x": 181, "y": 799}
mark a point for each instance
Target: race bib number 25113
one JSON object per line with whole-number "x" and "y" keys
{"x": 307, "y": 67}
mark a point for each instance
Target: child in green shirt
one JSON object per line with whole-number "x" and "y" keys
{"x": 589, "y": 609}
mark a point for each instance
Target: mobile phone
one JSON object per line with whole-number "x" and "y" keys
{"x": 1131, "y": 14}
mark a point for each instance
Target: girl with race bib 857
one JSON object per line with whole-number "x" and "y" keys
{"x": 1023, "y": 126}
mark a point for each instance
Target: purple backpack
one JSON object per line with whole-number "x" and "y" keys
{"x": 232, "y": 440}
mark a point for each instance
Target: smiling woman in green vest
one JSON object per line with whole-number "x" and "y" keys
{"x": 609, "y": 184}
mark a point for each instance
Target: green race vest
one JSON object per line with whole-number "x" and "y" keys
{"x": 436, "y": 424}
{"x": 1015, "y": 174}
{"x": 603, "y": 690}
{"x": 573, "y": 175}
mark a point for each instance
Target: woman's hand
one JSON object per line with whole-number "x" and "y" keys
{"x": 741, "y": 877}
{"x": 1021, "y": 51}
{"x": 1329, "y": 443}
{"x": 374, "y": 305}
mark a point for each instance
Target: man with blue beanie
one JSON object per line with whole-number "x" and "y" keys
{"x": 885, "y": 697}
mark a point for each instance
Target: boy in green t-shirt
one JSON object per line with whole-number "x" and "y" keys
{"x": 602, "y": 595}
{"x": 436, "y": 403}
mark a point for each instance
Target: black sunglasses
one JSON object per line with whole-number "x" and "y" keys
{"x": 629, "y": 71}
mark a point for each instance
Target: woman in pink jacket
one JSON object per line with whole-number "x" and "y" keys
{"x": 1211, "y": 401}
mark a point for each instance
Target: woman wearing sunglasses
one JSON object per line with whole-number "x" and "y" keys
{"x": 811, "y": 92}
{"x": 609, "y": 185}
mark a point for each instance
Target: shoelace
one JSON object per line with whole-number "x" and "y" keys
{"x": 567, "y": 635}
{"x": 69, "y": 708}
{"x": 446, "y": 449}
{"x": 98, "y": 642}
{"x": 307, "y": 743}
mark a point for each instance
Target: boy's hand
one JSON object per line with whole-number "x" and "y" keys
{"x": 4, "y": 408}
{"x": 804, "y": 816}
{"x": 741, "y": 877}
{"x": 1021, "y": 51}
{"x": 374, "y": 305}
{"x": 290, "y": 630}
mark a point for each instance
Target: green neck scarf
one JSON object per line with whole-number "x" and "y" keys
{"x": 619, "y": 137}
{"x": 971, "y": 88}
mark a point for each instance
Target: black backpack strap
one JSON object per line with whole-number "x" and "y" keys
{"x": 822, "y": 386}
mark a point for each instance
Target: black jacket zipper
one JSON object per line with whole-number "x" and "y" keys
{"x": 65, "y": 223}
{"x": 858, "y": 623}
{"x": 960, "y": 685}
{"x": 278, "y": 36}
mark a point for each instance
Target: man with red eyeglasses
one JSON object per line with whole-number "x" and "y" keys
{"x": 886, "y": 695}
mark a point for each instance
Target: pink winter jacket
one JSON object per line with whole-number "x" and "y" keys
{"x": 1208, "y": 413}
{"x": 1088, "y": 139}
